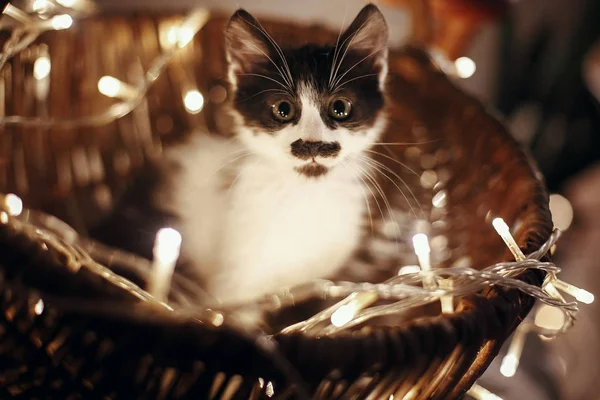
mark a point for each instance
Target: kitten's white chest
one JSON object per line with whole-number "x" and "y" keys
{"x": 282, "y": 229}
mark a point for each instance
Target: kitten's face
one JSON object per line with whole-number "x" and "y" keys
{"x": 308, "y": 108}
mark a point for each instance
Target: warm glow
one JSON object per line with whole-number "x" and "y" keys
{"x": 193, "y": 101}
{"x": 580, "y": 294}
{"x": 509, "y": 366}
{"x": 110, "y": 86}
{"x": 66, "y": 3}
{"x": 41, "y": 67}
{"x": 504, "y": 232}
{"x": 39, "y": 307}
{"x": 409, "y": 269}
{"x": 167, "y": 245}
{"x": 342, "y": 315}
{"x": 270, "y": 391}
{"x": 172, "y": 35}
{"x": 548, "y": 317}
{"x": 63, "y": 21}
{"x": 584, "y": 296}
{"x": 421, "y": 244}
{"x": 465, "y": 67}
{"x": 166, "y": 252}
{"x": 13, "y": 204}
{"x": 501, "y": 227}
{"x": 185, "y": 34}
{"x": 562, "y": 212}
{"x": 218, "y": 319}
{"x": 478, "y": 392}
{"x": 40, "y": 6}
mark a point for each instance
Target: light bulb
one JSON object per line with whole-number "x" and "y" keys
{"x": 14, "y": 204}
{"x": 63, "y": 21}
{"x": 465, "y": 67}
{"x": 342, "y": 315}
{"x": 509, "y": 366}
{"x": 193, "y": 101}
{"x": 67, "y": 3}
{"x": 41, "y": 68}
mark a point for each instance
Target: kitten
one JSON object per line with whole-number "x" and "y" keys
{"x": 283, "y": 203}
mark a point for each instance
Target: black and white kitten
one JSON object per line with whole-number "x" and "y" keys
{"x": 284, "y": 202}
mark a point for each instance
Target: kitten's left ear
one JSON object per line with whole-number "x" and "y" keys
{"x": 368, "y": 34}
{"x": 246, "y": 44}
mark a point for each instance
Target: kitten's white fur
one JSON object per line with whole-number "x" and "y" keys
{"x": 274, "y": 228}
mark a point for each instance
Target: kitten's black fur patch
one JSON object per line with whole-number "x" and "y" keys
{"x": 305, "y": 150}
{"x": 260, "y": 77}
{"x": 312, "y": 170}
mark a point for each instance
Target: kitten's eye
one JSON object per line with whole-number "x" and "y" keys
{"x": 283, "y": 111}
{"x": 340, "y": 108}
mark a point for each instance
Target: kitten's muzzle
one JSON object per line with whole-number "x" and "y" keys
{"x": 305, "y": 150}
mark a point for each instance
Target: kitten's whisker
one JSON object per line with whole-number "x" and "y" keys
{"x": 269, "y": 78}
{"x": 335, "y": 49}
{"x": 378, "y": 166}
{"x": 351, "y": 38}
{"x": 361, "y": 173}
{"x": 407, "y": 143}
{"x": 275, "y": 45}
{"x": 353, "y": 79}
{"x": 387, "y": 204}
{"x": 417, "y": 202}
{"x": 344, "y": 162}
{"x": 264, "y": 91}
{"x": 227, "y": 163}
{"x": 289, "y": 83}
{"x": 396, "y": 161}
{"x": 232, "y": 184}
{"x": 337, "y": 81}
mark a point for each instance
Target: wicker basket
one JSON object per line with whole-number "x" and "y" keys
{"x": 130, "y": 348}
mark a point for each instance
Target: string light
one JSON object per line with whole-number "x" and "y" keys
{"x": 41, "y": 68}
{"x": 39, "y": 307}
{"x": 13, "y": 204}
{"x": 478, "y": 392}
{"x": 511, "y": 360}
{"x": 465, "y": 67}
{"x": 132, "y": 97}
{"x": 193, "y": 101}
{"x": 67, "y": 3}
{"x": 504, "y": 232}
{"x": 61, "y": 22}
{"x": 166, "y": 252}
{"x": 422, "y": 250}
{"x": 112, "y": 87}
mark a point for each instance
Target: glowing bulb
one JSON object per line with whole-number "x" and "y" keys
{"x": 218, "y": 319}
{"x": 39, "y": 307}
{"x": 13, "y": 204}
{"x": 63, "y": 21}
{"x": 465, "y": 67}
{"x": 167, "y": 245}
{"x": 584, "y": 296}
{"x": 40, "y": 6}
{"x": 109, "y": 86}
{"x": 193, "y": 101}
{"x": 562, "y": 212}
{"x": 548, "y": 317}
{"x": 185, "y": 34}
{"x": 504, "y": 232}
{"x": 166, "y": 252}
{"x": 261, "y": 383}
{"x": 580, "y": 294}
{"x": 172, "y": 35}
{"x": 67, "y": 3}
{"x": 42, "y": 67}
{"x": 421, "y": 244}
{"x": 509, "y": 366}
{"x": 270, "y": 391}
{"x": 480, "y": 393}
{"x": 342, "y": 315}
{"x": 409, "y": 269}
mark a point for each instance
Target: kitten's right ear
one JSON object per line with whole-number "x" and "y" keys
{"x": 246, "y": 44}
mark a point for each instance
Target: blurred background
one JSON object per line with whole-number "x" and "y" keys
{"x": 536, "y": 63}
